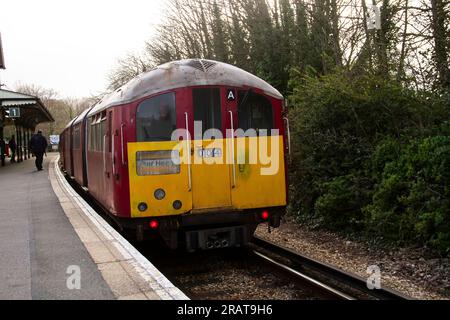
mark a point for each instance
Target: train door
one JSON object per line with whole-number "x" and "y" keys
{"x": 109, "y": 165}
{"x": 84, "y": 146}
{"x": 159, "y": 186}
{"x": 71, "y": 138}
{"x": 258, "y": 153}
{"x": 210, "y": 171}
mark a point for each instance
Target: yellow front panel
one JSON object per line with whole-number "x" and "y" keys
{"x": 144, "y": 184}
{"x": 210, "y": 175}
{"x": 256, "y": 180}
{"x": 260, "y": 176}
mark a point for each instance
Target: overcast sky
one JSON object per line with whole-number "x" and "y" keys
{"x": 71, "y": 45}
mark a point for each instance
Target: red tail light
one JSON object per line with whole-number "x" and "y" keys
{"x": 154, "y": 224}
{"x": 265, "y": 215}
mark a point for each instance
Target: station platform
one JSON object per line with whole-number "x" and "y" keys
{"x": 53, "y": 245}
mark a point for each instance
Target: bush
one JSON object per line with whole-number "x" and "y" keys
{"x": 340, "y": 203}
{"x": 370, "y": 156}
{"x": 412, "y": 200}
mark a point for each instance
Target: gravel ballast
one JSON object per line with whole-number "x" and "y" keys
{"x": 411, "y": 271}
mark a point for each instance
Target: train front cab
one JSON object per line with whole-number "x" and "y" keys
{"x": 222, "y": 187}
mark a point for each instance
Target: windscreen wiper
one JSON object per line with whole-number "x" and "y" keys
{"x": 244, "y": 100}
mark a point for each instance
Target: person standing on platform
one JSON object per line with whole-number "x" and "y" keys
{"x": 38, "y": 144}
{"x": 13, "y": 147}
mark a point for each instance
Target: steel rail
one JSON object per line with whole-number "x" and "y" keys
{"x": 352, "y": 280}
{"x": 305, "y": 277}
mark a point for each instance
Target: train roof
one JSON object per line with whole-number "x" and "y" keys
{"x": 184, "y": 73}
{"x": 70, "y": 123}
{"x": 81, "y": 117}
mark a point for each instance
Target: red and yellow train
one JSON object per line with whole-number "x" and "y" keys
{"x": 193, "y": 150}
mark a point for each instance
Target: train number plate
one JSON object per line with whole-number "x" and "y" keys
{"x": 210, "y": 153}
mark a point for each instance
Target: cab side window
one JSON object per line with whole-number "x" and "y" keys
{"x": 96, "y": 132}
{"x": 207, "y": 109}
{"x": 76, "y": 138}
{"x": 255, "y": 112}
{"x": 156, "y": 118}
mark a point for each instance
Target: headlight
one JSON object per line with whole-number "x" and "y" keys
{"x": 149, "y": 163}
{"x": 159, "y": 194}
{"x": 177, "y": 204}
{"x": 142, "y": 207}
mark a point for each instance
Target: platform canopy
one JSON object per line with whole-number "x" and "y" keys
{"x": 31, "y": 110}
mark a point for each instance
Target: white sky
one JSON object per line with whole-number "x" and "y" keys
{"x": 71, "y": 45}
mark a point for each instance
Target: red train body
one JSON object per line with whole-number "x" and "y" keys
{"x": 101, "y": 150}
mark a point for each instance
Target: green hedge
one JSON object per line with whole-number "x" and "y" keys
{"x": 371, "y": 157}
{"x": 411, "y": 200}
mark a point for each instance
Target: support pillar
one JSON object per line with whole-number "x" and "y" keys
{"x": 31, "y": 135}
{"x": 22, "y": 133}
{"x": 19, "y": 141}
{"x": 2, "y": 141}
{"x": 17, "y": 144}
{"x": 28, "y": 142}
{"x": 25, "y": 144}
{"x": 2, "y": 146}
{"x": 30, "y": 152}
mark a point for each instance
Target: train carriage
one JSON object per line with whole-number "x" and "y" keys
{"x": 79, "y": 136}
{"x": 67, "y": 148}
{"x": 193, "y": 150}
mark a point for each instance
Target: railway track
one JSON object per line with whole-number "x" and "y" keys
{"x": 339, "y": 283}
{"x": 230, "y": 274}
{"x": 303, "y": 277}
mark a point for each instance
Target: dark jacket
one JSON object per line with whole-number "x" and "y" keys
{"x": 38, "y": 144}
{"x": 12, "y": 145}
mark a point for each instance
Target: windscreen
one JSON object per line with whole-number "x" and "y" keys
{"x": 255, "y": 112}
{"x": 156, "y": 118}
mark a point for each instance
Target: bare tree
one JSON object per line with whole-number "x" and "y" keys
{"x": 269, "y": 38}
{"x": 440, "y": 23}
{"x": 62, "y": 109}
{"x": 128, "y": 68}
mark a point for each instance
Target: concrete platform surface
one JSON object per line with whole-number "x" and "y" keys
{"x": 54, "y": 246}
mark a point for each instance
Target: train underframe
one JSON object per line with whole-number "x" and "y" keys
{"x": 205, "y": 231}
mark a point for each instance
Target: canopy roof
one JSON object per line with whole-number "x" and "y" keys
{"x": 32, "y": 110}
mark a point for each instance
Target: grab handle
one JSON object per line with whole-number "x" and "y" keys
{"x": 112, "y": 154}
{"x": 104, "y": 153}
{"x": 188, "y": 141}
{"x": 232, "y": 149}
{"x": 288, "y": 129}
{"x": 121, "y": 143}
